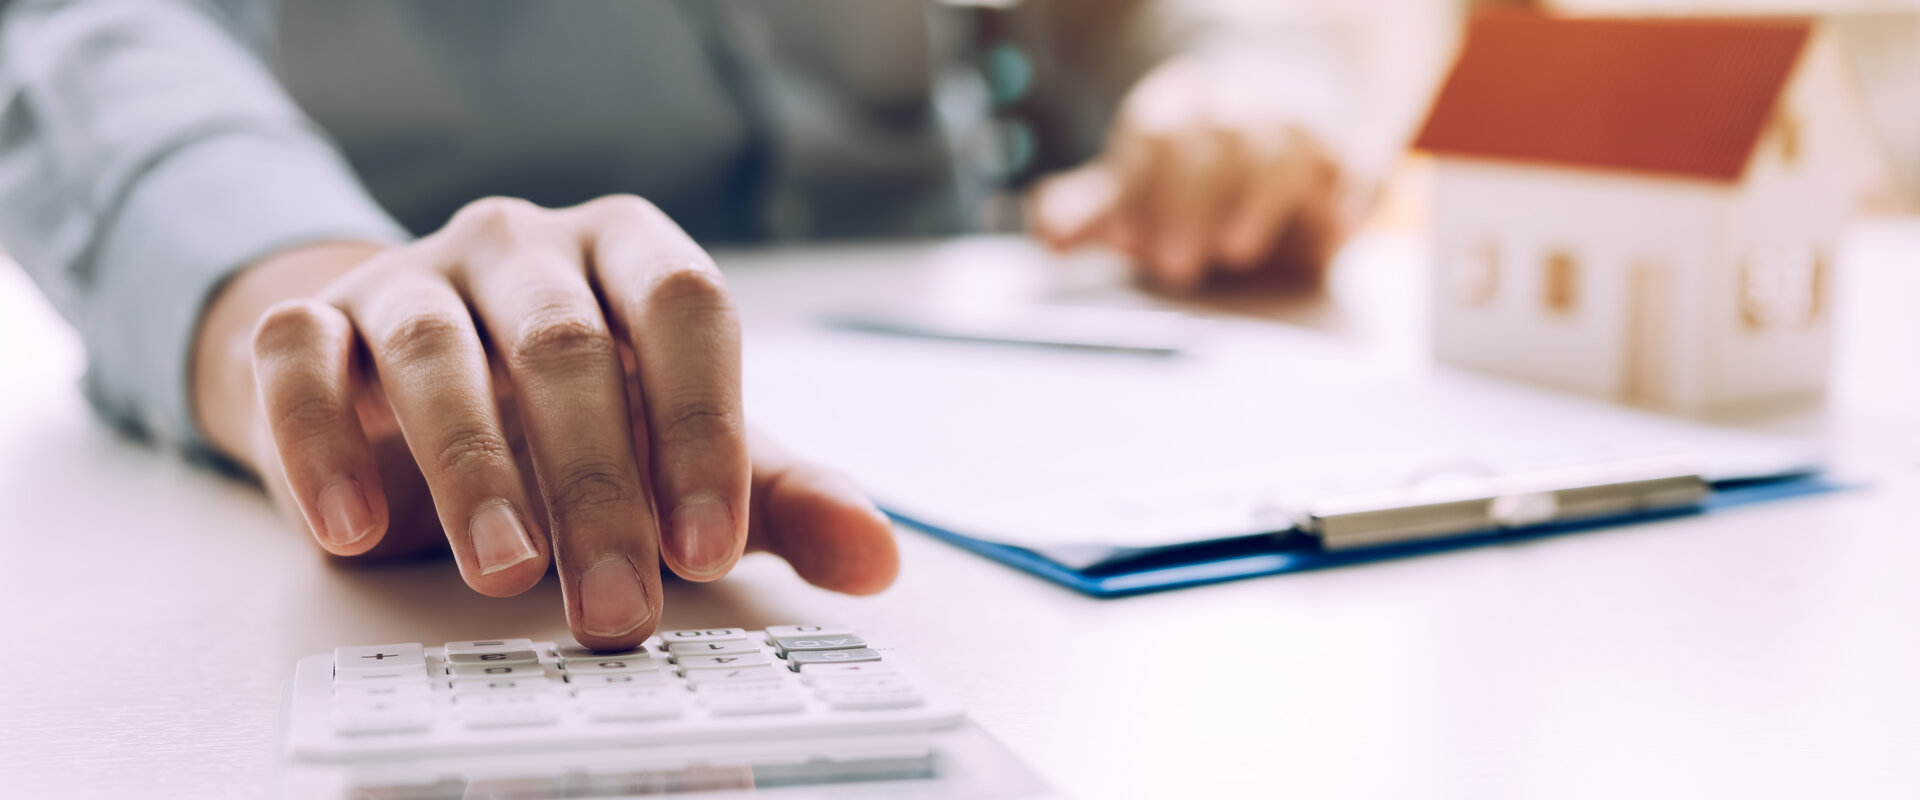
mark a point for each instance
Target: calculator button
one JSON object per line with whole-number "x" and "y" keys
{"x": 638, "y": 710}
{"x": 374, "y": 692}
{"x": 356, "y": 719}
{"x": 508, "y": 711}
{"x": 597, "y": 694}
{"x": 865, "y": 683}
{"x": 566, "y": 647}
{"x": 616, "y": 705}
{"x": 613, "y": 666}
{"x": 570, "y": 653}
{"x": 496, "y": 671}
{"x": 872, "y": 701}
{"x": 725, "y": 648}
{"x": 800, "y": 660}
{"x": 619, "y": 679}
{"x": 789, "y": 644}
{"x": 495, "y": 657}
{"x": 814, "y": 673}
{"x": 511, "y": 717}
{"x": 369, "y": 677}
{"x": 532, "y": 679}
{"x": 807, "y": 631}
{"x": 700, "y": 677}
{"x": 378, "y": 657}
{"x": 740, "y": 687}
{"x": 688, "y": 663}
{"x": 489, "y": 646}
{"x": 733, "y": 705}
{"x": 480, "y": 687}
{"x": 709, "y": 635}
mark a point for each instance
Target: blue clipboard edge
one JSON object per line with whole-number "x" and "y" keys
{"x": 1279, "y": 559}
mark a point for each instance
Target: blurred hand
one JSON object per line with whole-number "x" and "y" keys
{"x": 1207, "y": 170}
{"x": 529, "y": 383}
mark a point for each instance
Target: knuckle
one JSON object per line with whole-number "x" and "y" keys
{"x": 424, "y": 337}
{"x": 563, "y": 339}
{"x": 472, "y": 450}
{"x": 622, "y": 206}
{"x": 1156, "y": 137}
{"x": 1224, "y": 140}
{"x": 699, "y": 421}
{"x": 593, "y": 485}
{"x": 690, "y": 286}
{"x": 306, "y": 418}
{"x": 289, "y": 326}
{"x": 492, "y": 214}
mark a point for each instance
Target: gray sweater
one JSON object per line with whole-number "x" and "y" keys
{"x": 148, "y": 148}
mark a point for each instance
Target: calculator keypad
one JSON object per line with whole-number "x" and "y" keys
{"x": 502, "y": 687}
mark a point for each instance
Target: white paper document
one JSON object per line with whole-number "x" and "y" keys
{"x": 1052, "y": 449}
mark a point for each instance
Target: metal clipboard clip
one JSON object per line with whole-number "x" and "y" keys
{"x": 1491, "y": 503}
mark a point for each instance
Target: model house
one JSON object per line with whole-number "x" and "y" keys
{"x": 1643, "y": 210}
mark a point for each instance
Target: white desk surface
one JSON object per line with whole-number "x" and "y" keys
{"x": 151, "y": 611}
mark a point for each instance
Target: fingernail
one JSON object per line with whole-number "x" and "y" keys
{"x": 612, "y": 601}
{"x": 703, "y": 535}
{"x": 344, "y": 515}
{"x": 499, "y": 540}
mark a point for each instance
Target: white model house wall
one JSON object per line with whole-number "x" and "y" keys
{"x": 1610, "y": 225}
{"x": 1769, "y": 327}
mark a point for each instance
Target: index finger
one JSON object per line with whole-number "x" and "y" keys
{"x": 665, "y": 296}
{"x": 1069, "y": 209}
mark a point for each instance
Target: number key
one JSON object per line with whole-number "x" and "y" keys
{"x": 689, "y": 663}
{"x": 496, "y": 671}
{"x": 613, "y": 666}
{"x": 723, "y": 648}
{"x": 731, "y": 705}
{"x": 708, "y": 635}
{"x": 800, "y": 659}
{"x": 618, "y": 679}
{"x": 494, "y": 657}
{"x": 807, "y": 631}
{"x": 702, "y": 677}
{"x": 872, "y": 701}
{"x": 789, "y": 645}
{"x": 488, "y": 646}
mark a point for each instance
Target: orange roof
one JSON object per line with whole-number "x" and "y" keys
{"x": 1687, "y": 97}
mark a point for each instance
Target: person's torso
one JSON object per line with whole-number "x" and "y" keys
{"x": 741, "y": 118}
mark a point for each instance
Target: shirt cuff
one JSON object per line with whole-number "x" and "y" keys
{"x": 191, "y": 221}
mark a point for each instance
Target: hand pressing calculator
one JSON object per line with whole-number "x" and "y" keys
{"x": 791, "y": 711}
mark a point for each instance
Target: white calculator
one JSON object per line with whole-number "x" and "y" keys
{"x": 791, "y": 711}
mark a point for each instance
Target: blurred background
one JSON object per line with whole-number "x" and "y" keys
{"x": 1398, "y": 50}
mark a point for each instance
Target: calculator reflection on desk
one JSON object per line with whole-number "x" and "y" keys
{"x": 791, "y": 711}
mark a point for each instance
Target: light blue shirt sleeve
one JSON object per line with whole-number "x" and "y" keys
{"x": 146, "y": 153}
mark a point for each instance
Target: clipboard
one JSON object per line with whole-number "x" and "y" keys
{"x": 1257, "y": 450}
{"x": 1283, "y": 552}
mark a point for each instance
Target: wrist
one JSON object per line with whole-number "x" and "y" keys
{"x": 225, "y": 406}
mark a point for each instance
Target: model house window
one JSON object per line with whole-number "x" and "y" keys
{"x": 1786, "y": 132}
{"x": 1560, "y": 283}
{"x": 1781, "y": 287}
{"x": 1476, "y": 273}
{"x": 1817, "y": 288}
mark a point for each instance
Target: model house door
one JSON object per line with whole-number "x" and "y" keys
{"x": 1647, "y": 366}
